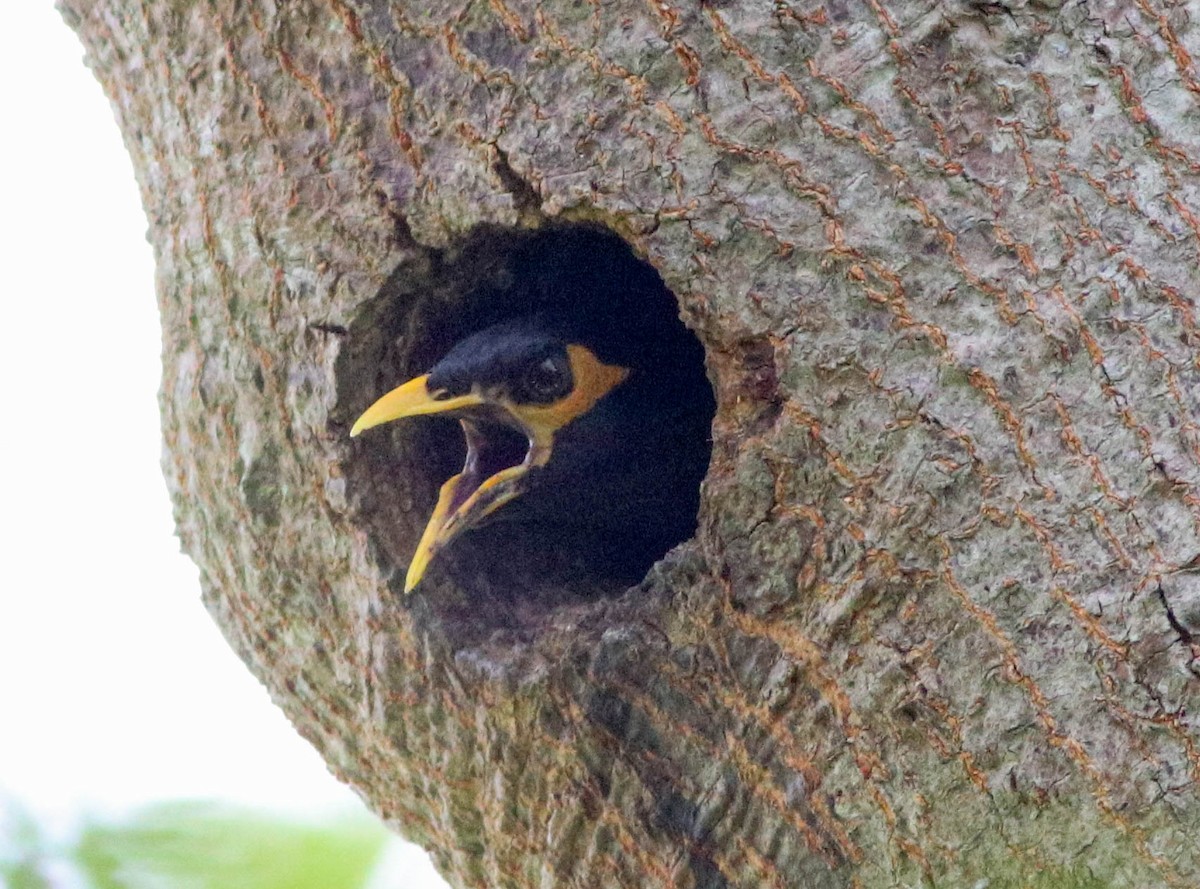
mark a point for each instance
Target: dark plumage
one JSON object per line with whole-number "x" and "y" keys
{"x": 628, "y": 471}
{"x": 587, "y": 432}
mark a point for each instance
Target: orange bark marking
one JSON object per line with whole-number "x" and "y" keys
{"x": 511, "y": 20}
{"x": 313, "y": 88}
{"x": 270, "y": 130}
{"x": 1183, "y": 60}
{"x": 383, "y": 70}
{"x": 1056, "y": 736}
{"x": 1072, "y": 440}
{"x": 870, "y": 765}
{"x": 858, "y": 107}
{"x": 1009, "y": 419}
{"x": 761, "y": 717}
{"x": 632, "y": 846}
{"x": 470, "y": 63}
{"x": 1018, "y": 130}
{"x": 753, "y": 775}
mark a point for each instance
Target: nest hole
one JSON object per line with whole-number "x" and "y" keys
{"x": 510, "y": 574}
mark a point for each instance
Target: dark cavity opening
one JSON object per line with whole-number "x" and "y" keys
{"x": 622, "y": 485}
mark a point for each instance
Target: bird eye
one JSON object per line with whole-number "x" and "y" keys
{"x": 547, "y": 380}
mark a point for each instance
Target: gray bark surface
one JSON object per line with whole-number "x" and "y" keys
{"x": 941, "y": 620}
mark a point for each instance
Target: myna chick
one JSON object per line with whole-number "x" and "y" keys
{"x": 616, "y": 431}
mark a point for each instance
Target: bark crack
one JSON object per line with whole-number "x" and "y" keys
{"x": 1185, "y": 635}
{"x": 526, "y": 199}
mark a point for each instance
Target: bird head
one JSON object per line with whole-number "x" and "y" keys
{"x": 520, "y": 376}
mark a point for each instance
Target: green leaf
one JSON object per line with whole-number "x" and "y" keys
{"x": 208, "y": 846}
{"x": 23, "y": 850}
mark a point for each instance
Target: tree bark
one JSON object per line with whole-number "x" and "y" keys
{"x": 941, "y": 620}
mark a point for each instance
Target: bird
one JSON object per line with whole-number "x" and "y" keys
{"x": 590, "y": 429}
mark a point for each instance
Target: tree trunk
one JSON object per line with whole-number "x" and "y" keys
{"x": 941, "y": 619}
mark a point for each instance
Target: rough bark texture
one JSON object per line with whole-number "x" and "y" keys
{"x": 941, "y": 621}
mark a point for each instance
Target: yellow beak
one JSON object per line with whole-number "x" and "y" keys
{"x": 410, "y": 400}
{"x": 454, "y": 514}
{"x": 465, "y": 498}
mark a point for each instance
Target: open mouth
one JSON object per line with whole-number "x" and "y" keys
{"x": 491, "y": 449}
{"x": 496, "y": 472}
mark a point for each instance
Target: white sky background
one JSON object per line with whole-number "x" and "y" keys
{"x": 116, "y": 688}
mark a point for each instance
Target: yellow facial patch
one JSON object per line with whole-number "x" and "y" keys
{"x": 593, "y": 379}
